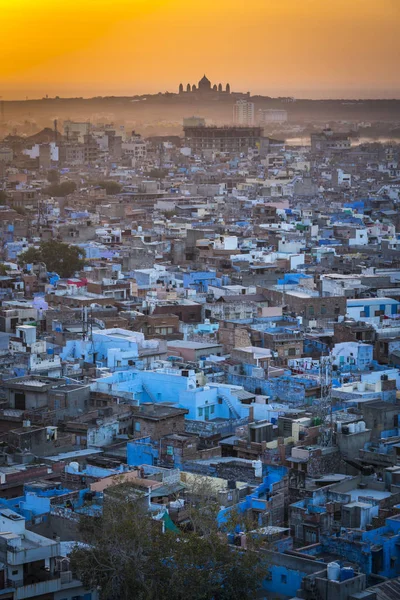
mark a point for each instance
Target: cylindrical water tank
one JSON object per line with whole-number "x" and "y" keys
{"x": 362, "y": 425}
{"x": 339, "y": 426}
{"x": 74, "y": 466}
{"x": 346, "y": 573}
{"x": 257, "y": 464}
{"x": 333, "y": 571}
{"x": 352, "y": 428}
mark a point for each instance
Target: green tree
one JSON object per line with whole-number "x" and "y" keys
{"x": 60, "y": 190}
{"x": 128, "y": 556}
{"x": 20, "y": 210}
{"x": 112, "y": 187}
{"x": 58, "y": 257}
{"x": 158, "y": 173}
{"x": 53, "y": 176}
{"x": 30, "y": 256}
{"x": 3, "y": 197}
{"x": 169, "y": 214}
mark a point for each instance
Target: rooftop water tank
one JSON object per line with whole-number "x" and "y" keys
{"x": 333, "y": 571}
{"x": 346, "y": 573}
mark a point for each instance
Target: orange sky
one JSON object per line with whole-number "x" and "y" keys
{"x": 309, "y": 48}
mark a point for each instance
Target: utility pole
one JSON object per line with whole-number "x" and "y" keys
{"x": 326, "y": 390}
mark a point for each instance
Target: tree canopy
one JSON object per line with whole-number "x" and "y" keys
{"x": 157, "y": 173}
{"x": 60, "y": 190}
{"x": 53, "y": 176}
{"x": 127, "y": 555}
{"x": 58, "y": 257}
{"x": 112, "y": 187}
{"x": 3, "y": 197}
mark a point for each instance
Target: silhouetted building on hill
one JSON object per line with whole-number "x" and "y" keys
{"x": 206, "y": 89}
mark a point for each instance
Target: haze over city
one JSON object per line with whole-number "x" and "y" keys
{"x": 309, "y": 48}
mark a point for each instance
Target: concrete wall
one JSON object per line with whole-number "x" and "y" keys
{"x": 286, "y": 573}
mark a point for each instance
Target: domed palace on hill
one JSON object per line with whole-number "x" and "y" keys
{"x": 204, "y": 88}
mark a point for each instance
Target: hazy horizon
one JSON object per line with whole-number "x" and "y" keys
{"x": 298, "y": 94}
{"x": 333, "y": 49}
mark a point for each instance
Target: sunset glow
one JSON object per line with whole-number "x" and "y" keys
{"x": 96, "y": 47}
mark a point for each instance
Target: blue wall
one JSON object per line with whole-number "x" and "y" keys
{"x": 141, "y": 452}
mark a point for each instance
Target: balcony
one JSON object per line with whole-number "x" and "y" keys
{"x": 42, "y": 588}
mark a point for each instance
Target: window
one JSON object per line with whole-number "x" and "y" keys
{"x": 292, "y": 351}
{"x": 283, "y": 578}
{"x": 19, "y": 400}
{"x": 212, "y": 409}
{"x": 170, "y": 450}
{"x": 323, "y": 309}
{"x": 137, "y": 426}
{"x": 200, "y": 412}
{"x": 311, "y": 310}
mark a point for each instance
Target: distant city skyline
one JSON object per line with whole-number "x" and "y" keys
{"x": 311, "y": 94}
{"x": 307, "y": 49}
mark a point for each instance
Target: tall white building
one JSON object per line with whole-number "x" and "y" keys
{"x": 243, "y": 113}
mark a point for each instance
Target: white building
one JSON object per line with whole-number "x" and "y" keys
{"x": 33, "y": 566}
{"x": 34, "y": 151}
{"x": 243, "y": 113}
{"x": 135, "y": 148}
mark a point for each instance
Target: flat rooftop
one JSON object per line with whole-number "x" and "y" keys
{"x": 371, "y": 301}
{"x": 367, "y": 492}
{"x": 256, "y": 351}
{"x": 298, "y": 294}
{"x": 73, "y": 455}
{"x": 192, "y": 345}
